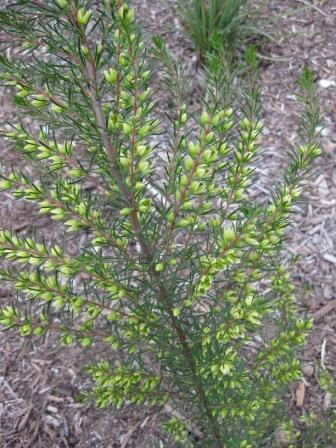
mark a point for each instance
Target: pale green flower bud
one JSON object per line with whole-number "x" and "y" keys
{"x": 145, "y": 95}
{"x": 128, "y": 129}
{"x": 273, "y": 239}
{"x": 99, "y": 50}
{"x": 287, "y": 199}
{"x": 272, "y": 208}
{"x": 227, "y": 126}
{"x": 26, "y": 329}
{"x": 193, "y": 149}
{"x": 86, "y": 342}
{"x": 210, "y": 137}
{"x": 252, "y": 241}
{"x": 125, "y": 162}
{"x": 144, "y": 166}
{"x": 200, "y": 173}
{"x": 141, "y": 150}
{"x": 57, "y": 109}
{"x": 228, "y": 234}
{"x": 183, "y": 222}
{"x": 123, "y": 59}
{"x": 205, "y": 118}
{"x": 62, "y": 3}
{"x": 170, "y": 216}
{"x": 224, "y": 149}
{"x": 159, "y": 267}
{"x": 176, "y": 311}
{"x": 58, "y": 213}
{"x": 196, "y": 187}
{"x": 265, "y": 243}
{"x": 83, "y": 16}
{"x": 111, "y": 76}
{"x": 130, "y": 77}
{"x": 303, "y": 149}
{"x": 296, "y": 193}
{"x": 183, "y": 118}
{"x": 44, "y": 153}
{"x": 189, "y": 163}
{"x": 144, "y": 131}
{"x": 316, "y": 151}
{"x": 184, "y": 107}
{"x": 228, "y": 112}
{"x": 130, "y": 15}
{"x": 76, "y": 172}
{"x": 5, "y": 184}
{"x": 22, "y": 93}
{"x": 82, "y": 208}
{"x": 145, "y": 76}
{"x": 211, "y": 187}
{"x": 72, "y": 224}
{"x": 31, "y": 147}
{"x": 188, "y": 205}
{"x": 254, "y": 134}
{"x": 154, "y": 124}
{"x": 206, "y": 156}
{"x": 252, "y": 147}
{"x": 126, "y": 211}
{"x": 139, "y": 186}
{"x": 85, "y": 51}
{"x": 215, "y": 223}
{"x": 112, "y": 123}
{"x": 245, "y": 124}
{"x": 184, "y": 180}
{"x": 39, "y": 101}
{"x": 239, "y": 195}
{"x": 125, "y": 97}
{"x": 125, "y": 13}
{"x": 145, "y": 204}
{"x": 254, "y": 256}
{"x": 215, "y": 120}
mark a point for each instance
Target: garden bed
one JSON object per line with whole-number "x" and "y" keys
{"x": 40, "y": 384}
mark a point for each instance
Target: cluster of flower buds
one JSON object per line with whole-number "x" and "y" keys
{"x": 84, "y": 16}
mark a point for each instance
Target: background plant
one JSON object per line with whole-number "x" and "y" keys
{"x": 233, "y": 21}
{"x": 319, "y": 429}
{"x": 181, "y": 276}
{"x": 237, "y": 23}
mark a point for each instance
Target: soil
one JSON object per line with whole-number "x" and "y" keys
{"x": 40, "y": 384}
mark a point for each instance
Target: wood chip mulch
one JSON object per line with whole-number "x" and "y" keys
{"x": 40, "y": 384}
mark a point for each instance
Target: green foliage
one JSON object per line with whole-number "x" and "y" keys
{"x": 319, "y": 430}
{"x": 181, "y": 276}
{"x": 230, "y": 20}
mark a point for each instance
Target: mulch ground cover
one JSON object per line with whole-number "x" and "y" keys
{"x": 40, "y": 384}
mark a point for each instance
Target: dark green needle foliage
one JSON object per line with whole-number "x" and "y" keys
{"x": 180, "y": 277}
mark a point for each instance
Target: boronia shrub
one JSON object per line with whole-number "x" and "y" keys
{"x": 179, "y": 276}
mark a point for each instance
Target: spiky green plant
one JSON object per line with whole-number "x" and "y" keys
{"x": 204, "y": 19}
{"x": 319, "y": 429}
{"x": 181, "y": 277}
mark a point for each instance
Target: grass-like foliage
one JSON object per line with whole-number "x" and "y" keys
{"x": 180, "y": 276}
{"x": 320, "y": 430}
{"x": 231, "y": 20}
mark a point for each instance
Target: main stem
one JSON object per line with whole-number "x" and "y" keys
{"x": 148, "y": 254}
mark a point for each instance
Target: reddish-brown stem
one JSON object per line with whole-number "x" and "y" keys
{"x": 146, "y": 248}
